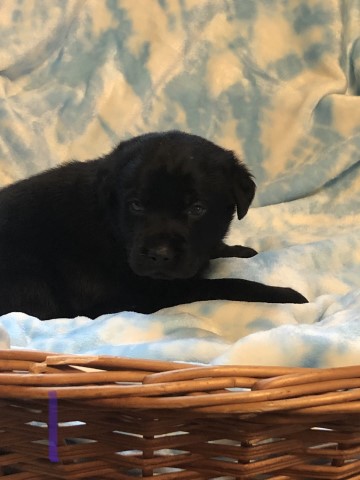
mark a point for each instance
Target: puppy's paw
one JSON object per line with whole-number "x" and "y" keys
{"x": 237, "y": 251}
{"x": 292, "y": 296}
{"x": 243, "y": 252}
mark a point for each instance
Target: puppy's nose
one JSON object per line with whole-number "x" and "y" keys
{"x": 160, "y": 254}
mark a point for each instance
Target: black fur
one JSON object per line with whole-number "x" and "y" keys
{"x": 134, "y": 230}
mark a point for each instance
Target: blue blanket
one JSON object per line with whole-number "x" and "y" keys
{"x": 276, "y": 81}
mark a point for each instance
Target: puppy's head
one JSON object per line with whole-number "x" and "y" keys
{"x": 172, "y": 196}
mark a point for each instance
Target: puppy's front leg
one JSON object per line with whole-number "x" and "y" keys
{"x": 175, "y": 292}
{"x": 226, "y": 251}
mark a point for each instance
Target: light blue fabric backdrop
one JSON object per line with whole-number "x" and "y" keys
{"x": 277, "y": 81}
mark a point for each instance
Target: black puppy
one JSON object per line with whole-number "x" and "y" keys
{"x": 134, "y": 230}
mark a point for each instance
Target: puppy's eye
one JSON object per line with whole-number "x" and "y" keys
{"x": 135, "y": 206}
{"x": 196, "y": 210}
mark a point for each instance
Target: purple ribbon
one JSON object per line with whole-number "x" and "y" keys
{"x": 53, "y": 427}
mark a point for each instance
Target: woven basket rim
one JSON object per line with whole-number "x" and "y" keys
{"x": 119, "y": 382}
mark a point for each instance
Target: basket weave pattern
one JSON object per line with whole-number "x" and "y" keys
{"x": 120, "y": 419}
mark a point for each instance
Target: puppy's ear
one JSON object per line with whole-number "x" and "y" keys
{"x": 108, "y": 201}
{"x": 243, "y": 187}
{"x": 106, "y": 193}
{"x": 109, "y": 175}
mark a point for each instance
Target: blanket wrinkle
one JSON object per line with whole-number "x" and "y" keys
{"x": 277, "y": 82}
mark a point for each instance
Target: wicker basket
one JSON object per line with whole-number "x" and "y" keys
{"x": 90, "y": 417}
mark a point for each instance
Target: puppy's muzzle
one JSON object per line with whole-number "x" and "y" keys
{"x": 158, "y": 260}
{"x": 163, "y": 256}
{"x": 159, "y": 256}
